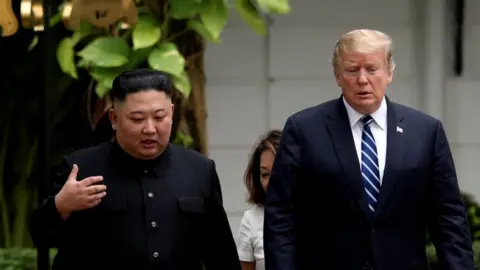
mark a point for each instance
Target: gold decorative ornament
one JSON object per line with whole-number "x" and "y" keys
{"x": 8, "y": 20}
{"x": 32, "y": 14}
{"x": 101, "y": 13}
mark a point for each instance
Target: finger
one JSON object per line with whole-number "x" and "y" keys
{"x": 97, "y": 196}
{"x": 95, "y": 189}
{"x": 91, "y": 180}
{"x": 93, "y": 203}
{"x": 73, "y": 173}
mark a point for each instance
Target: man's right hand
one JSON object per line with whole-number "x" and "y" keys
{"x": 79, "y": 195}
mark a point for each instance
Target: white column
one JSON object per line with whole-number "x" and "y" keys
{"x": 435, "y": 56}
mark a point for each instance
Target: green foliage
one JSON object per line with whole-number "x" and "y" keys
{"x": 106, "y": 52}
{"x": 118, "y": 52}
{"x": 21, "y": 258}
{"x": 184, "y": 140}
{"x": 152, "y": 41}
{"x": 473, "y": 214}
{"x": 146, "y": 34}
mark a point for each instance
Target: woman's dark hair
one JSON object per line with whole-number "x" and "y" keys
{"x": 269, "y": 141}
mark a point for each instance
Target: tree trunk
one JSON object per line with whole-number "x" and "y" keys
{"x": 194, "y": 115}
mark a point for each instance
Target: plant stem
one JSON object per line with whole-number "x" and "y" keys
{"x": 22, "y": 197}
{"x": 3, "y": 203}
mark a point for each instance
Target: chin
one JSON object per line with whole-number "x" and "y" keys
{"x": 367, "y": 106}
{"x": 149, "y": 151}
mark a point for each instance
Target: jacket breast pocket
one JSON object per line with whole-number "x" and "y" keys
{"x": 191, "y": 205}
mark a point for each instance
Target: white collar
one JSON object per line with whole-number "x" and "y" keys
{"x": 379, "y": 116}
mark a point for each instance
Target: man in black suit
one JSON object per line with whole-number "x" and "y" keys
{"x": 357, "y": 180}
{"x": 138, "y": 202}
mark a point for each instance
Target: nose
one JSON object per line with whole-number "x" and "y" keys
{"x": 362, "y": 77}
{"x": 149, "y": 127}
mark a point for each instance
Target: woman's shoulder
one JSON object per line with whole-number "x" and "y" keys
{"x": 254, "y": 214}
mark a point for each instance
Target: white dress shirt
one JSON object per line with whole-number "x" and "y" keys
{"x": 250, "y": 238}
{"x": 378, "y": 128}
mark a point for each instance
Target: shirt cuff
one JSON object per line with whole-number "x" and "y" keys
{"x": 245, "y": 256}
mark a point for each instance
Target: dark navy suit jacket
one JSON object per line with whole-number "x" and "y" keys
{"x": 316, "y": 214}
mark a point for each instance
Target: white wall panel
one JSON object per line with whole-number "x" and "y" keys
{"x": 290, "y": 96}
{"x": 462, "y": 106}
{"x": 236, "y": 113}
{"x": 466, "y": 157}
{"x": 463, "y": 111}
{"x": 240, "y": 55}
{"x": 231, "y": 167}
{"x": 404, "y": 92}
{"x": 348, "y": 13}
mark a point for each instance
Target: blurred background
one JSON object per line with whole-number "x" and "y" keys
{"x": 239, "y": 69}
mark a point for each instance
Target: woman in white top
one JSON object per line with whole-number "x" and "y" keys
{"x": 257, "y": 175}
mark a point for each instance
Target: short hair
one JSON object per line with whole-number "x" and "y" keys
{"x": 269, "y": 141}
{"x": 364, "y": 41}
{"x": 137, "y": 80}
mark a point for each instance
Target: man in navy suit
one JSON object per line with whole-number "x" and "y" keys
{"x": 358, "y": 180}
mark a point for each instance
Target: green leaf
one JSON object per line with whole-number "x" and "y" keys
{"x": 85, "y": 29}
{"x": 101, "y": 90}
{"x": 146, "y": 33}
{"x": 251, "y": 15}
{"x": 82, "y": 63}
{"x": 167, "y": 58}
{"x": 214, "y": 15}
{"x": 106, "y": 52}
{"x": 274, "y": 6}
{"x": 76, "y": 37}
{"x": 182, "y": 84}
{"x": 183, "y": 139}
{"x": 199, "y": 27}
{"x": 66, "y": 53}
{"x": 137, "y": 57}
{"x": 33, "y": 44}
{"x": 66, "y": 57}
{"x": 56, "y": 18}
{"x": 106, "y": 76}
{"x": 184, "y": 9}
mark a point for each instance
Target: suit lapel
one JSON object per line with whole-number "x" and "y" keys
{"x": 342, "y": 138}
{"x": 395, "y": 145}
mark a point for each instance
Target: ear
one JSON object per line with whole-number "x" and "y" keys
{"x": 390, "y": 77}
{"x": 173, "y": 108}
{"x": 336, "y": 73}
{"x": 113, "y": 118}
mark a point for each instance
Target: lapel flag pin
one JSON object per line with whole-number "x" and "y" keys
{"x": 399, "y": 129}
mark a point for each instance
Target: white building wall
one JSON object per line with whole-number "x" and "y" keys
{"x": 255, "y": 83}
{"x": 462, "y": 102}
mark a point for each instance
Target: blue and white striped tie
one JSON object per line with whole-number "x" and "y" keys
{"x": 370, "y": 170}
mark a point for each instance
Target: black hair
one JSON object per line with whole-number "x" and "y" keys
{"x": 268, "y": 141}
{"x": 137, "y": 80}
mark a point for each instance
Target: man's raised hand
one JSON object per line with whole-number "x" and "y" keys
{"x": 79, "y": 195}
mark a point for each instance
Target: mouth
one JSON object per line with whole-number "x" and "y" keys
{"x": 148, "y": 142}
{"x": 364, "y": 94}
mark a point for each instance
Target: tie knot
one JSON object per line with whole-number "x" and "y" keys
{"x": 367, "y": 120}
